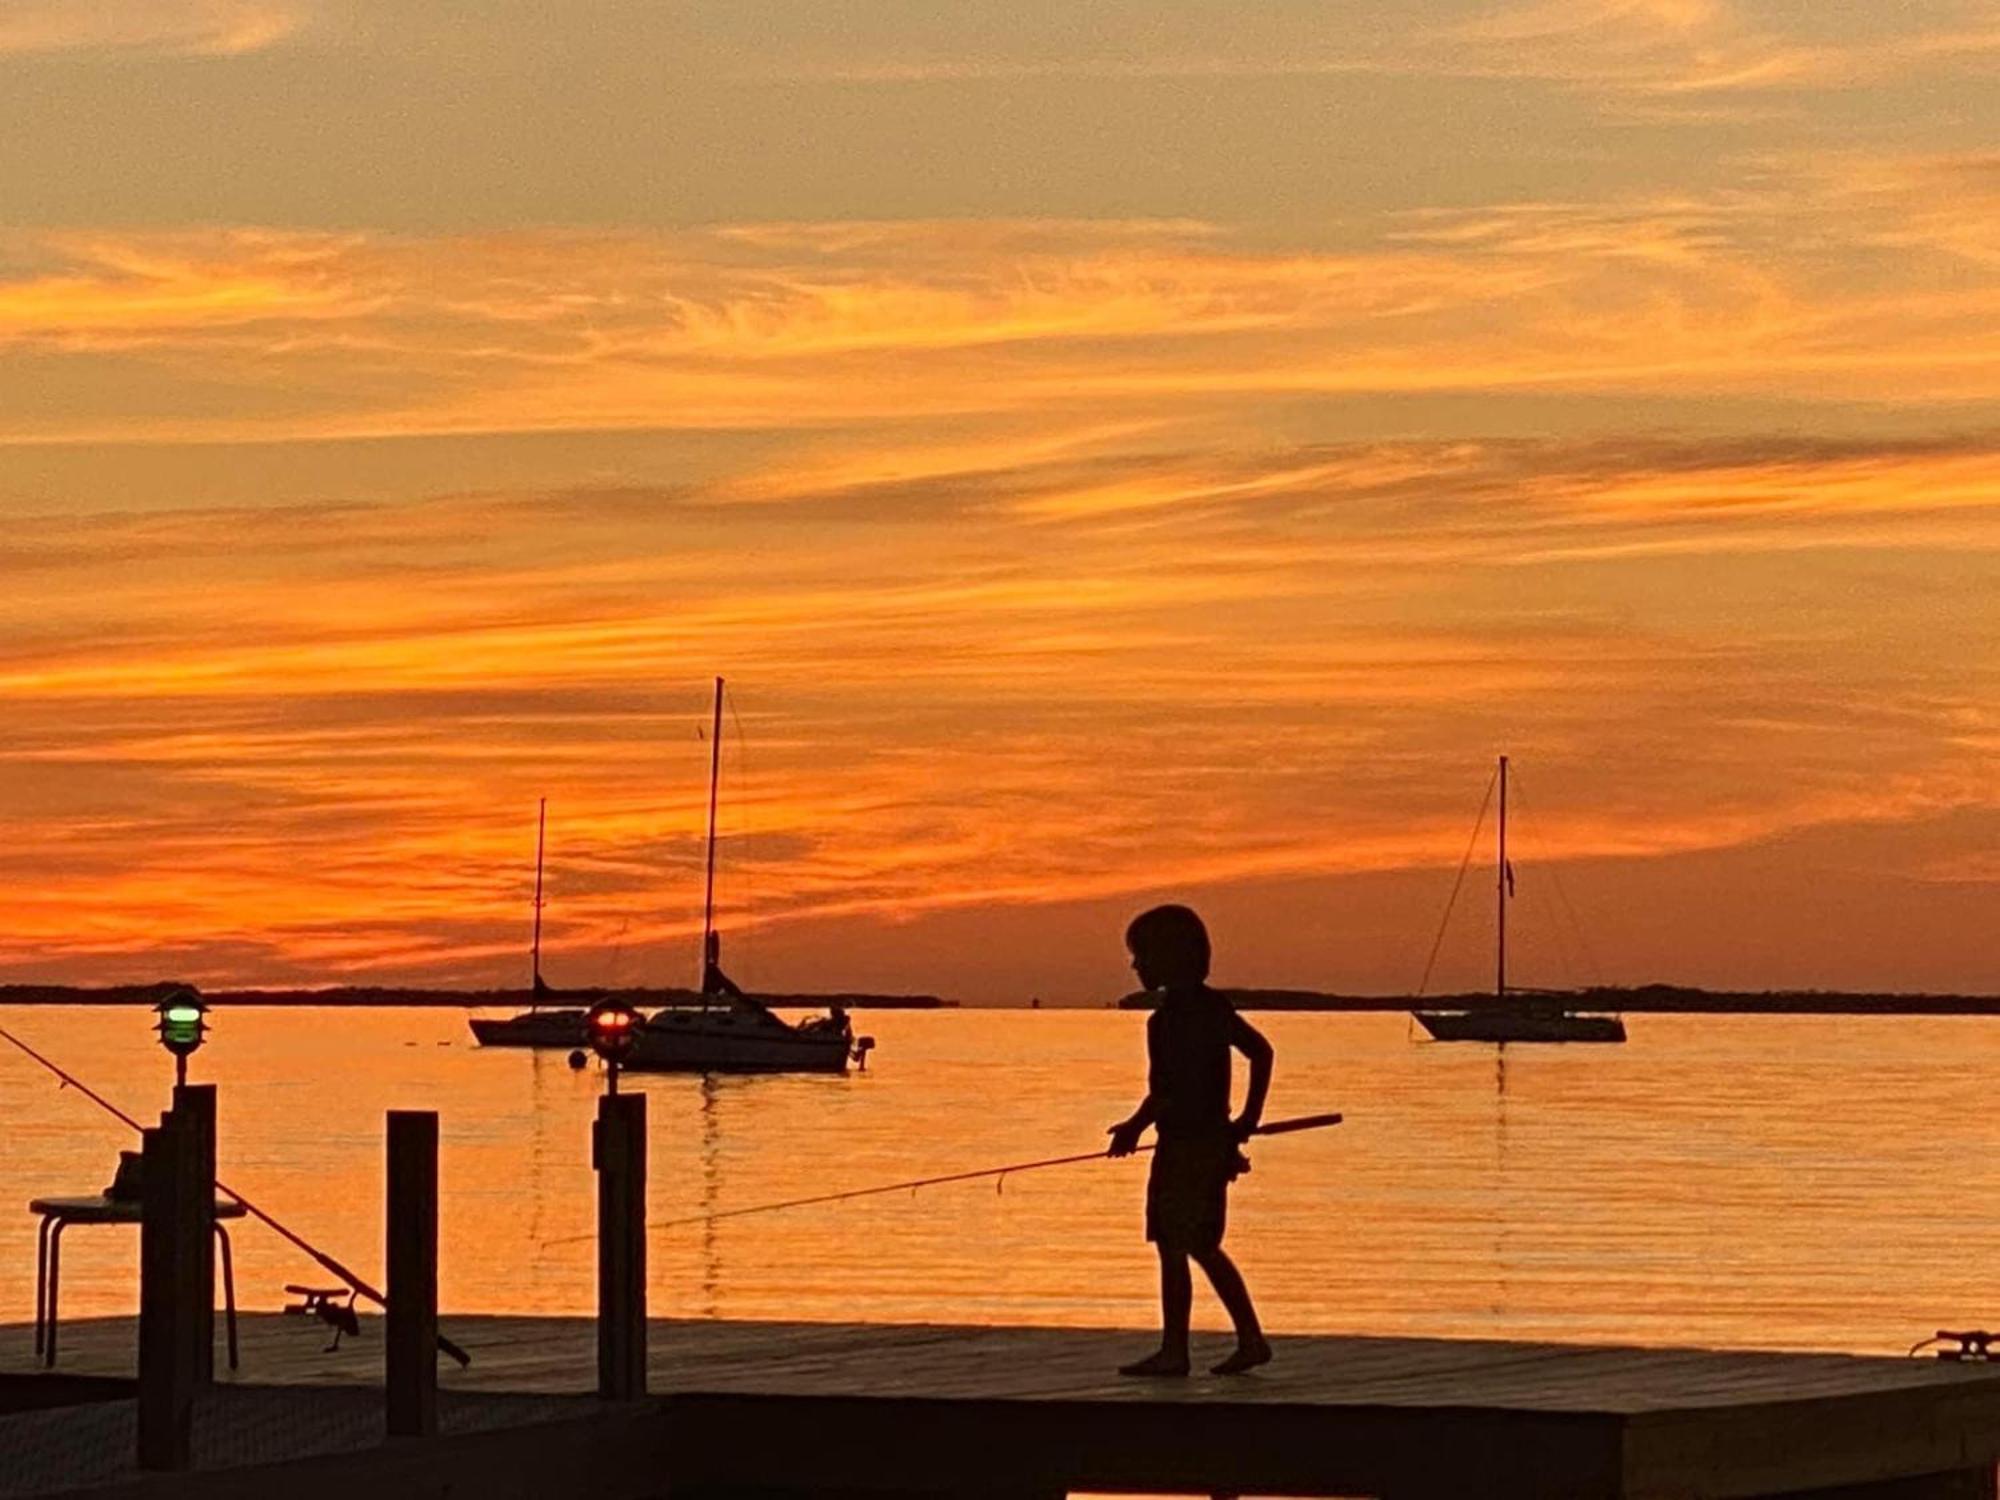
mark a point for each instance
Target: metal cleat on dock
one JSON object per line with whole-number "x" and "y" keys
{"x": 1973, "y": 1344}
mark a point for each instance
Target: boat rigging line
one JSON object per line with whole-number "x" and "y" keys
{"x": 1452, "y": 901}
{"x": 708, "y": 946}
{"x": 1562, "y": 894}
{"x": 536, "y": 988}
{"x": 1275, "y": 1127}
{"x": 326, "y": 1261}
{"x": 746, "y": 867}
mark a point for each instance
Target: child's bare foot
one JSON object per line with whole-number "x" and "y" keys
{"x": 1250, "y": 1353}
{"x": 1159, "y": 1362}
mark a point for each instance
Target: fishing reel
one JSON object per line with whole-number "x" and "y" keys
{"x": 318, "y": 1302}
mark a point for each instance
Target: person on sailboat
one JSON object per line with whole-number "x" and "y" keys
{"x": 1198, "y": 1151}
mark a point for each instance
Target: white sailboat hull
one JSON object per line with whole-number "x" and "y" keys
{"x": 737, "y": 1040}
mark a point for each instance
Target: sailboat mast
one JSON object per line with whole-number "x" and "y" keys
{"x": 1500, "y": 890}
{"x": 714, "y": 783}
{"x": 535, "y": 949}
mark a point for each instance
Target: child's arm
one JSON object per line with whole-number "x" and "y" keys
{"x": 1248, "y": 1040}
{"x": 1125, "y": 1134}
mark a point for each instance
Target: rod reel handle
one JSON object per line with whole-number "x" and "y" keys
{"x": 1301, "y": 1122}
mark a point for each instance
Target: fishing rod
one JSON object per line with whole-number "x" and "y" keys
{"x": 326, "y": 1261}
{"x": 1276, "y": 1127}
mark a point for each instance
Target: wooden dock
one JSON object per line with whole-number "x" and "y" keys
{"x": 803, "y": 1408}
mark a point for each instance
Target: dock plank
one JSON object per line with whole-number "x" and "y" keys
{"x": 891, "y": 1406}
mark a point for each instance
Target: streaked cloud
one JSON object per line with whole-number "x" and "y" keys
{"x": 263, "y": 335}
{"x": 1168, "y": 453}
{"x": 212, "y": 27}
{"x": 1672, "y": 47}
{"x": 337, "y": 715}
{"x": 1688, "y": 51}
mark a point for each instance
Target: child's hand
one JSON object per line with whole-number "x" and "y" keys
{"x": 1124, "y": 1138}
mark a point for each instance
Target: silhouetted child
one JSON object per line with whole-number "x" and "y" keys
{"x": 1187, "y": 1101}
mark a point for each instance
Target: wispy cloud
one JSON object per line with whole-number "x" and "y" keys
{"x": 1824, "y": 281}
{"x": 213, "y": 27}
{"x": 309, "y": 735}
{"x": 1666, "y": 47}
{"x": 1202, "y": 519}
{"x": 1686, "y": 60}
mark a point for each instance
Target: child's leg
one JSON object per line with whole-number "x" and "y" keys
{"x": 1176, "y": 1301}
{"x": 1251, "y": 1348}
{"x": 1228, "y": 1284}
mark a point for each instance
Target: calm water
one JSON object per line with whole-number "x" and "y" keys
{"x": 1810, "y": 1183}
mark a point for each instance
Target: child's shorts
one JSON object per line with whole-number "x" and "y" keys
{"x": 1187, "y": 1195}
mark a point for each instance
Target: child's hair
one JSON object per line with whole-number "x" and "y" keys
{"x": 1173, "y": 933}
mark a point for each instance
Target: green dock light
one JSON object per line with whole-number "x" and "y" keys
{"x": 183, "y": 1025}
{"x": 613, "y": 1027}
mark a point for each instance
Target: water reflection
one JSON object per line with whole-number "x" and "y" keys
{"x": 542, "y": 1164}
{"x": 1692, "y": 1185}
{"x": 1502, "y": 1189}
{"x": 711, "y": 1192}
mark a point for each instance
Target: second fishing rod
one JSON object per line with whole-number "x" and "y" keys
{"x": 361, "y": 1287}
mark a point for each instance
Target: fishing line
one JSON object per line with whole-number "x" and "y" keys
{"x": 1276, "y": 1127}
{"x": 326, "y": 1261}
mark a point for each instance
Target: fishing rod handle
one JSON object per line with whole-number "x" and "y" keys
{"x": 1301, "y": 1122}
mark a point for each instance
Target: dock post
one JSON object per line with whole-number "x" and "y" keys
{"x": 169, "y": 1254}
{"x": 618, "y": 1151}
{"x": 412, "y": 1260}
{"x": 194, "y": 1107}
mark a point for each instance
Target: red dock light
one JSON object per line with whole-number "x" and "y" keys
{"x": 182, "y": 1025}
{"x": 613, "y": 1027}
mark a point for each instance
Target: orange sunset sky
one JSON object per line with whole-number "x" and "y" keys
{"x": 1115, "y": 451}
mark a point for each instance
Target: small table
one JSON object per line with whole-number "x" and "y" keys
{"x": 59, "y": 1213}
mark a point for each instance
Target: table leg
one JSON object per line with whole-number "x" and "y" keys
{"x": 41, "y": 1281}
{"x": 55, "y": 1287}
{"x": 228, "y": 1289}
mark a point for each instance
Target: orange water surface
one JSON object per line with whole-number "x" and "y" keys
{"x": 1815, "y": 1183}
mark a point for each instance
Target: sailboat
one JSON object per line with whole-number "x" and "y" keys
{"x": 1516, "y": 1015}
{"x": 717, "y": 1029}
{"x": 557, "y": 1027}
{"x": 721, "y": 1029}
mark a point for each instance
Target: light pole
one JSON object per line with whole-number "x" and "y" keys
{"x": 182, "y": 1026}
{"x": 613, "y": 1027}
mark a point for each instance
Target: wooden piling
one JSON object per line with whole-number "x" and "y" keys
{"x": 619, "y": 1154}
{"x": 411, "y": 1346}
{"x": 194, "y": 1108}
{"x": 173, "y": 1242}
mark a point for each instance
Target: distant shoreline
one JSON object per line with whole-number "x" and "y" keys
{"x": 1656, "y": 999}
{"x": 1653, "y": 999}
{"x": 389, "y": 995}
